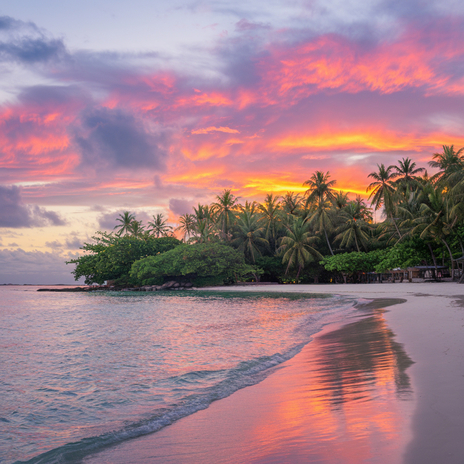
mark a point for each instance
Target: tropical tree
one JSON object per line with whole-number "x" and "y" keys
{"x": 340, "y": 199}
{"x": 125, "y": 220}
{"x": 270, "y": 218}
{"x": 450, "y": 164}
{"x": 437, "y": 220}
{"x": 406, "y": 174}
{"x": 204, "y": 225}
{"x": 136, "y": 228}
{"x": 383, "y": 193}
{"x": 321, "y": 219}
{"x": 319, "y": 187}
{"x": 223, "y": 210}
{"x": 296, "y": 248}
{"x": 159, "y": 227}
{"x": 291, "y": 203}
{"x": 354, "y": 230}
{"x": 249, "y": 234}
{"x": 186, "y": 225}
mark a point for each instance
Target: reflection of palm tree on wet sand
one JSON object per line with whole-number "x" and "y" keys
{"x": 355, "y": 359}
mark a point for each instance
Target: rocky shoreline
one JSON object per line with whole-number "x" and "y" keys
{"x": 171, "y": 285}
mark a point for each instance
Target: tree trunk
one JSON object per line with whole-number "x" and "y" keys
{"x": 396, "y": 227}
{"x": 451, "y": 257}
{"x": 356, "y": 241}
{"x": 328, "y": 243}
{"x": 433, "y": 259}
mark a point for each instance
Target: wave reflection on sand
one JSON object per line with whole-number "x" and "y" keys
{"x": 346, "y": 398}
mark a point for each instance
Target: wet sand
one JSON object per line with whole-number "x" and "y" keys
{"x": 384, "y": 388}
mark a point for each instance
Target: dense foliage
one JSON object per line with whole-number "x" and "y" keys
{"x": 110, "y": 257}
{"x": 201, "y": 263}
{"x": 321, "y": 234}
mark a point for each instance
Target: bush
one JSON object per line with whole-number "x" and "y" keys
{"x": 110, "y": 257}
{"x": 202, "y": 264}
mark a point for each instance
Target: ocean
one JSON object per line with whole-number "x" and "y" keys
{"x": 84, "y": 371}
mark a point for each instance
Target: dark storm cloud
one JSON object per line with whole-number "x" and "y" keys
{"x": 112, "y": 138}
{"x": 180, "y": 206}
{"x": 14, "y": 213}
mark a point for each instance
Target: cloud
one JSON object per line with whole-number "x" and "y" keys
{"x": 27, "y": 44}
{"x": 181, "y": 206}
{"x": 73, "y": 243}
{"x": 207, "y": 130}
{"x": 14, "y": 213}
{"x": 113, "y": 139}
{"x": 35, "y": 267}
{"x": 54, "y": 245}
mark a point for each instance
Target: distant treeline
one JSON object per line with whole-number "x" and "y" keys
{"x": 321, "y": 235}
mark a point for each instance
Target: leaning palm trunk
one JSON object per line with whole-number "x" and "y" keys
{"x": 451, "y": 257}
{"x": 328, "y": 243}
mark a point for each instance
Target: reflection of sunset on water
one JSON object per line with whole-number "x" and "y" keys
{"x": 348, "y": 403}
{"x": 345, "y": 399}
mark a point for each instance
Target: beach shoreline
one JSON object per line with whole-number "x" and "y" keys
{"x": 427, "y": 323}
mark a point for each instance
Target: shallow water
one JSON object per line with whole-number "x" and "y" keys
{"x": 81, "y": 372}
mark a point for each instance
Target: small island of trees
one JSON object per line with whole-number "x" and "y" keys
{"x": 319, "y": 236}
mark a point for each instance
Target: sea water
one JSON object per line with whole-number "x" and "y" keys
{"x": 84, "y": 371}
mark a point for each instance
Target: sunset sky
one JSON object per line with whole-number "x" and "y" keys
{"x": 154, "y": 106}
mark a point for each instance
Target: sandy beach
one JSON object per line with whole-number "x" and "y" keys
{"x": 383, "y": 388}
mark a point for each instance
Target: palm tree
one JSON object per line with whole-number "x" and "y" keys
{"x": 204, "y": 224}
{"x": 187, "y": 225}
{"x": 383, "y": 192}
{"x": 406, "y": 173}
{"x": 321, "y": 219}
{"x": 450, "y": 164}
{"x": 296, "y": 246}
{"x": 136, "y": 228}
{"x": 291, "y": 203}
{"x": 354, "y": 229}
{"x": 158, "y": 227}
{"x": 223, "y": 209}
{"x": 340, "y": 199}
{"x": 126, "y": 220}
{"x": 249, "y": 233}
{"x": 320, "y": 188}
{"x": 270, "y": 217}
{"x": 437, "y": 220}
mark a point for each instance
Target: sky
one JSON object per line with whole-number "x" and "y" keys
{"x": 153, "y": 107}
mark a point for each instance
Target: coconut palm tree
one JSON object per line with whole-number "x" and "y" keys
{"x": 186, "y": 225}
{"x": 406, "y": 174}
{"x": 291, "y": 203}
{"x": 136, "y": 228}
{"x": 270, "y": 218}
{"x": 126, "y": 220}
{"x": 223, "y": 210}
{"x": 249, "y": 233}
{"x": 383, "y": 193}
{"x": 354, "y": 230}
{"x": 204, "y": 230}
{"x": 437, "y": 220}
{"x": 321, "y": 219}
{"x": 450, "y": 164}
{"x": 158, "y": 227}
{"x": 296, "y": 246}
{"x": 319, "y": 187}
{"x": 339, "y": 199}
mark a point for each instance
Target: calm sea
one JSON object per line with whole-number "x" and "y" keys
{"x": 81, "y": 372}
